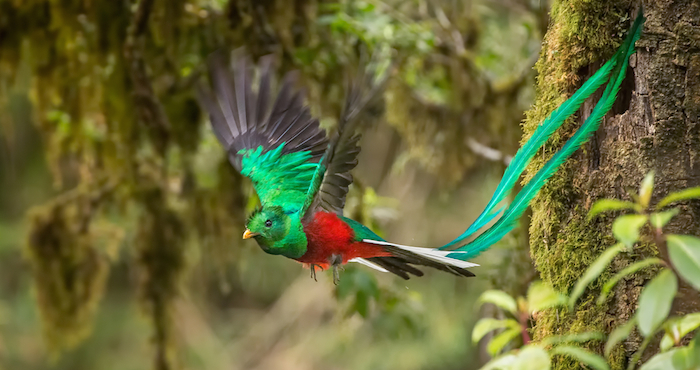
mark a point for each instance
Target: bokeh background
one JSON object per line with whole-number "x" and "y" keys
{"x": 120, "y": 218}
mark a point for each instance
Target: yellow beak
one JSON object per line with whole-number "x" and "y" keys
{"x": 247, "y": 234}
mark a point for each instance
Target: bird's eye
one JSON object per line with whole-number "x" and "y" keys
{"x": 268, "y": 223}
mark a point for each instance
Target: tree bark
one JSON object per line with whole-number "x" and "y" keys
{"x": 654, "y": 125}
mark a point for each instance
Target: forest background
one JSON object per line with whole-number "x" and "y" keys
{"x": 120, "y": 217}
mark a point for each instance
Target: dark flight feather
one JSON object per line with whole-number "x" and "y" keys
{"x": 344, "y": 146}
{"x": 243, "y": 119}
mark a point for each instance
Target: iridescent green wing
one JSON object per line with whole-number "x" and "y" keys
{"x": 278, "y": 146}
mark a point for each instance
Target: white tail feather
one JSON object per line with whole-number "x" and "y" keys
{"x": 369, "y": 264}
{"x": 433, "y": 254}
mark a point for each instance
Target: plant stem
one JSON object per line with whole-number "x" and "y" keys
{"x": 523, "y": 328}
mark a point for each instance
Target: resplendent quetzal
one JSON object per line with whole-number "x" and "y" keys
{"x": 302, "y": 177}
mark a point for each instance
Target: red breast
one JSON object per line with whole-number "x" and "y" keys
{"x": 328, "y": 235}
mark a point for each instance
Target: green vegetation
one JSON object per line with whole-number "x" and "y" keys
{"x": 677, "y": 350}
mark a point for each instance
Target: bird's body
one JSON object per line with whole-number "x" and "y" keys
{"x": 331, "y": 237}
{"x": 302, "y": 176}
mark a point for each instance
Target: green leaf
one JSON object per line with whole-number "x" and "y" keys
{"x": 678, "y": 329}
{"x": 683, "y": 358}
{"x": 501, "y": 340}
{"x": 660, "y": 219}
{"x": 530, "y": 357}
{"x": 594, "y": 270}
{"x": 696, "y": 344}
{"x": 580, "y": 338}
{"x": 662, "y": 361}
{"x": 618, "y": 335}
{"x": 541, "y": 296}
{"x": 361, "y": 305}
{"x": 501, "y": 362}
{"x": 688, "y": 323}
{"x": 684, "y": 251}
{"x": 587, "y": 357}
{"x": 655, "y": 301}
{"x": 631, "y": 269}
{"x": 690, "y": 193}
{"x": 645, "y": 189}
{"x": 666, "y": 342}
{"x": 500, "y": 299}
{"x": 484, "y": 326}
{"x": 686, "y": 358}
{"x": 626, "y": 228}
{"x": 695, "y": 350}
{"x": 604, "y": 205}
{"x": 533, "y": 358}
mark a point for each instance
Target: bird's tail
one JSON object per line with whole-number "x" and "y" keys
{"x": 613, "y": 71}
{"x": 404, "y": 258}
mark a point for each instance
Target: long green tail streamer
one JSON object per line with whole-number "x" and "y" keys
{"x": 615, "y": 67}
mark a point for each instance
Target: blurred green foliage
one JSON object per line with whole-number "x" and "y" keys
{"x": 113, "y": 191}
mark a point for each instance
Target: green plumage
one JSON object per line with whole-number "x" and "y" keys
{"x": 279, "y": 179}
{"x": 532, "y": 145}
{"x": 284, "y": 236}
{"x": 361, "y": 231}
{"x": 617, "y": 67}
{"x": 281, "y": 182}
{"x": 295, "y": 168}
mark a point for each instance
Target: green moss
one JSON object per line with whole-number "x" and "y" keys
{"x": 69, "y": 272}
{"x": 160, "y": 242}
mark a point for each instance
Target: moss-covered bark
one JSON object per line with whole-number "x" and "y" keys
{"x": 653, "y": 126}
{"x": 69, "y": 271}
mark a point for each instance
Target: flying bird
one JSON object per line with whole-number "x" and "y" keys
{"x": 302, "y": 175}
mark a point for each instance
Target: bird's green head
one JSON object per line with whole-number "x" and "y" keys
{"x": 277, "y": 232}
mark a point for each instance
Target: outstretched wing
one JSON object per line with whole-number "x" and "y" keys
{"x": 332, "y": 178}
{"x": 277, "y": 145}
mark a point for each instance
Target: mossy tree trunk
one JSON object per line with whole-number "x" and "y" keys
{"x": 654, "y": 125}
